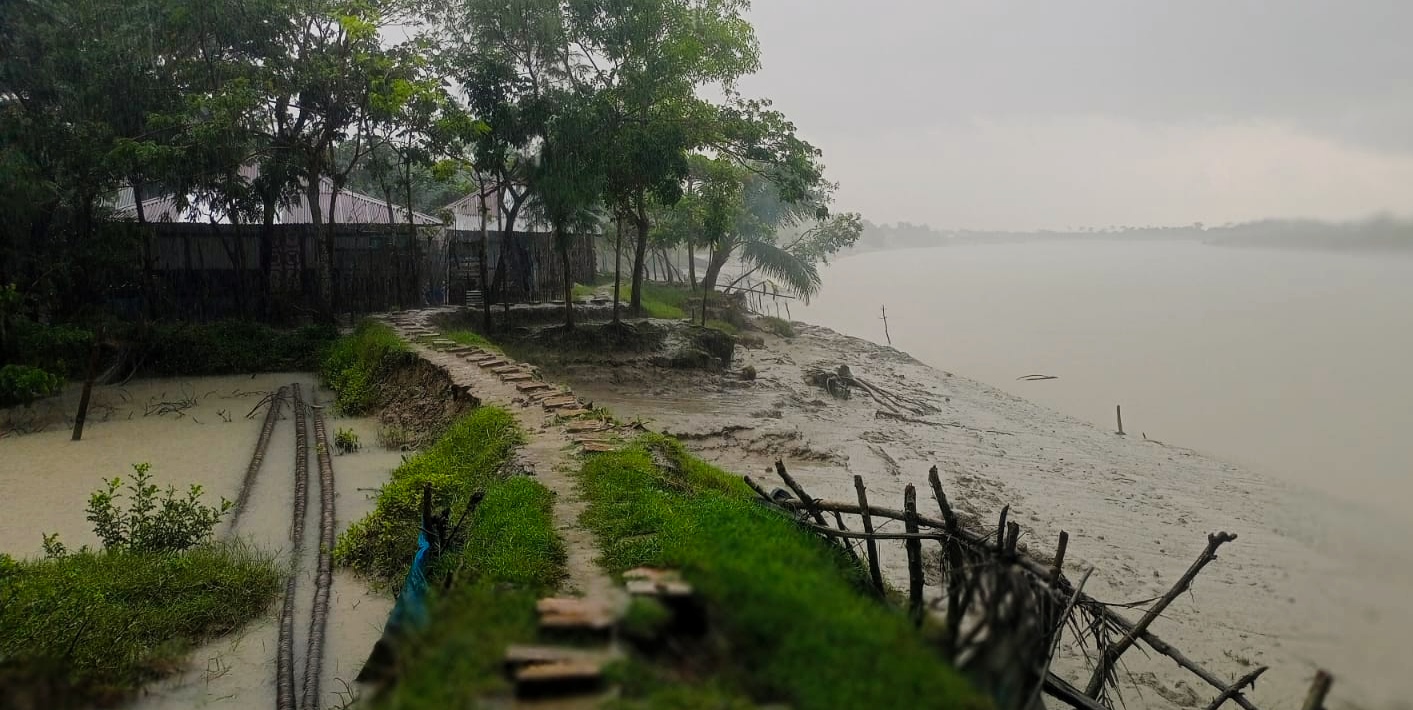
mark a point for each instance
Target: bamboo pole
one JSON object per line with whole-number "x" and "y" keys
{"x": 870, "y": 543}
{"x": 1318, "y": 690}
{"x": 952, "y": 552}
{"x": 914, "y": 548}
{"x": 1119, "y": 414}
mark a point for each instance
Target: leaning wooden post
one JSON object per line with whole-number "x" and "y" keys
{"x": 871, "y": 545}
{"x": 89, "y": 376}
{"x": 1001, "y": 530}
{"x": 1057, "y": 569}
{"x": 1119, "y": 414}
{"x": 1111, "y": 654}
{"x": 952, "y": 549}
{"x": 808, "y": 502}
{"x": 914, "y": 548}
{"x": 1318, "y": 690}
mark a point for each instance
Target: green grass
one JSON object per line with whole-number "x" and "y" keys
{"x": 722, "y": 326}
{"x": 668, "y": 301}
{"x": 355, "y": 363}
{"x": 507, "y": 557}
{"x": 469, "y": 456}
{"x": 791, "y": 613}
{"x": 472, "y": 338}
{"x": 778, "y": 326}
{"x": 584, "y": 291}
{"x": 94, "y": 626}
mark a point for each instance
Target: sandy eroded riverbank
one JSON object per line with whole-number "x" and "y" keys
{"x": 1305, "y": 584}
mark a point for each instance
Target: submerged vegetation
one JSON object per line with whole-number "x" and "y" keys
{"x": 792, "y": 619}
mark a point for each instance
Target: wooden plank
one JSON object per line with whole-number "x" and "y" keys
{"x": 493, "y": 362}
{"x": 557, "y": 671}
{"x": 557, "y": 402}
{"x": 533, "y": 386}
{"x": 507, "y": 369}
{"x": 566, "y": 413}
{"x": 587, "y": 425}
{"x": 599, "y": 447}
{"x": 517, "y": 377}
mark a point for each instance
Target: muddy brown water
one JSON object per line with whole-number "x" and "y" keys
{"x": 202, "y": 435}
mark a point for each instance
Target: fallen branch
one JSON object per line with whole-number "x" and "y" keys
{"x": 1104, "y": 669}
{"x": 1235, "y": 688}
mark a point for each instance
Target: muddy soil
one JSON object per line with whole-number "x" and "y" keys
{"x": 1305, "y": 585}
{"x": 181, "y": 427}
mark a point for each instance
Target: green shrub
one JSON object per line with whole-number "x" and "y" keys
{"x": 97, "y": 625}
{"x": 354, "y": 363}
{"x": 150, "y": 523}
{"x": 62, "y": 349}
{"x": 22, "y": 384}
{"x": 778, "y": 326}
{"x": 467, "y": 337}
{"x": 469, "y": 456}
{"x": 231, "y": 347}
{"x": 793, "y": 615}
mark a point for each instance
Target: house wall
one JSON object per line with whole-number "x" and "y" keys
{"x": 532, "y": 267}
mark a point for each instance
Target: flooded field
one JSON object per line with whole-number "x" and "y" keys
{"x": 196, "y": 430}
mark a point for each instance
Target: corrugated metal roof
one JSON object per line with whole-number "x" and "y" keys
{"x": 350, "y": 208}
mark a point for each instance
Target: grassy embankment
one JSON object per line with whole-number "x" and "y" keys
{"x": 91, "y": 627}
{"x": 790, "y": 619}
{"x": 505, "y": 558}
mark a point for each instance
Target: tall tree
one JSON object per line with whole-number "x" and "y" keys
{"x": 651, "y": 58}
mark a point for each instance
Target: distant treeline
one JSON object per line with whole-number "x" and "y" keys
{"x": 1382, "y": 233}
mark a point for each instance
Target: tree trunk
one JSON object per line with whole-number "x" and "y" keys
{"x": 267, "y": 249}
{"x": 148, "y": 281}
{"x": 89, "y": 376}
{"x": 692, "y": 264}
{"x": 568, "y": 283}
{"x": 331, "y": 223}
{"x": 617, "y": 265}
{"x": 714, "y": 265}
{"x": 325, "y": 252}
{"x": 640, "y": 219}
{"x": 482, "y": 286}
{"x": 412, "y": 234}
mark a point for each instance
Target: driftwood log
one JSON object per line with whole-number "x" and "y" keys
{"x": 840, "y": 382}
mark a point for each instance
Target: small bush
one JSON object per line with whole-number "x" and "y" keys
{"x": 94, "y": 626}
{"x": 22, "y": 384}
{"x": 346, "y": 441}
{"x": 151, "y": 523}
{"x": 778, "y": 326}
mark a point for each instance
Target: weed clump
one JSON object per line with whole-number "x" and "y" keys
{"x": 354, "y": 363}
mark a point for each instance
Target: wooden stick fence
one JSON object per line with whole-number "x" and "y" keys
{"x": 1006, "y": 611}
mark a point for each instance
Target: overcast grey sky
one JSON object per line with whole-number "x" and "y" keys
{"x": 1045, "y": 113}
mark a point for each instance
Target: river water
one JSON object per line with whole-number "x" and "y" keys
{"x": 1291, "y": 363}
